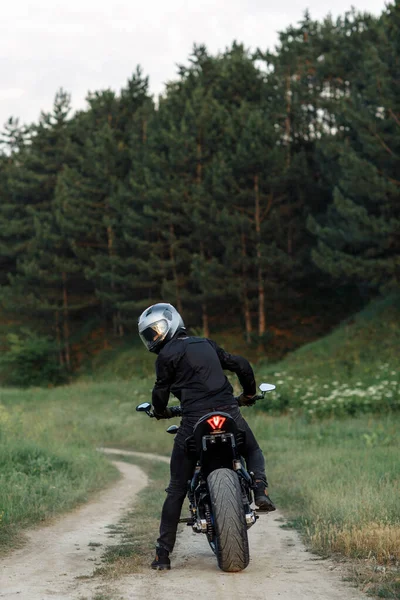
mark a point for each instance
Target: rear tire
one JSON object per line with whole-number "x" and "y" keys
{"x": 232, "y": 545}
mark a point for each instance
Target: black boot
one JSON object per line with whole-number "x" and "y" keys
{"x": 261, "y": 498}
{"x": 161, "y": 561}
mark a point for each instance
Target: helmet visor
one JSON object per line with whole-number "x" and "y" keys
{"x": 154, "y": 334}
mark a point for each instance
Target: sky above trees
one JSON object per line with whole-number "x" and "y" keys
{"x": 86, "y": 45}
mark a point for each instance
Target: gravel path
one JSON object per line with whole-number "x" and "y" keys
{"x": 56, "y": 556}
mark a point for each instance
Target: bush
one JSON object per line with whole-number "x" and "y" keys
{"x": 31, "y": 360}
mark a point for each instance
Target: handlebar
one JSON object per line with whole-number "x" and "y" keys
{"x": 176, "y": 411}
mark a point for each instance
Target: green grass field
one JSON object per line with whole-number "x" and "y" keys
{"x": 334, "y": 470}
{"x": 335, "y": 474}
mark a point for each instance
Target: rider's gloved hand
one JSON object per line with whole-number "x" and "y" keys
{"x": 165, "y": 414}
{"x": 168, "y": 413}
{"x": 244, "y": 400}
{"x": 176, "y": 411}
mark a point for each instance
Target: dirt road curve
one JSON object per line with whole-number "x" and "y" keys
{"x": 50, "y": 564}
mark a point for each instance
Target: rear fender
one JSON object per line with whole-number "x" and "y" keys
{"x": 195, "y": 444}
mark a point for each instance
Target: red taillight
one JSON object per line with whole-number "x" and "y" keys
{"x": 216, "y": 422}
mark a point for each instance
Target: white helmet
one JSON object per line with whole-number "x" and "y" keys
{"x": 158, "y": 324}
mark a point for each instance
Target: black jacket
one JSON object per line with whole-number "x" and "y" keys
{"x": 191, "y": 368}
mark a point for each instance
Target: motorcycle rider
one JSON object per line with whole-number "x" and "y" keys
{"x": 191, "y": 368}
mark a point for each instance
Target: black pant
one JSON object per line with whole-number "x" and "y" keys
{"x": 182, "y": 468}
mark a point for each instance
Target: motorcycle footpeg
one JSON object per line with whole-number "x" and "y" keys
{"x": 188, "y": 521}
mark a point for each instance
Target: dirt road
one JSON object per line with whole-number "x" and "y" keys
{"x": 50, "y": 564}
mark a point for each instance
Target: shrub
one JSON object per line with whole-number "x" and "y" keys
{"x": 31, "y": 360}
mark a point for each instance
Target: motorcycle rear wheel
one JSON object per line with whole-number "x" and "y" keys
{"x": 232, "y": 545}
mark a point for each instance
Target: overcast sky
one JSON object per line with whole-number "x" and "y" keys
{"x": 83, "y": 45}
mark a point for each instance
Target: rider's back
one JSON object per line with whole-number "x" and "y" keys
{"x": 197, "y": 377}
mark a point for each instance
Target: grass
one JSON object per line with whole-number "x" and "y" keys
{"x": 338, "y": 482}
{"x": 45, "y": 481}
{"x": 126, "y": 361}
{"x": 45, "y": 468}
{"x": 330, "y": 435}
{"x": 339, "y": 488}
{"x": 368, "y": 338}
{"x": 337, "y": 479}
{"x": 354, "y": 370}
{"x": 48, "y": 440}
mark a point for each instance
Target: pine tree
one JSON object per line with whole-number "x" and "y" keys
{"x": 258, "y": 162}
{"x": 40, "y": 286}
{"x": 205, "y": 120}
{"x": 13, "y": 206}
{"x": 92, "y": 197}
{"x": 213, "y": 88}
{"x": 165, "y": 192}
{"x": 174, "y": 190}
{"x": 358, "y": 238}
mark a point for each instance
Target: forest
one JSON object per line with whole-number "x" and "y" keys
{"x": 261, "y": 188}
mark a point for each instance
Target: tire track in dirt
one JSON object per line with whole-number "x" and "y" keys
{"x": 55, "y": 555}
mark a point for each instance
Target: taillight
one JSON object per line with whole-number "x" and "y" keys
{"x": 216, "y": 422}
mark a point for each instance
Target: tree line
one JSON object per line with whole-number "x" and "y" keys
{"x": 256, "y": 178}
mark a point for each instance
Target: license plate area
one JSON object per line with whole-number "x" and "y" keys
{"x": 217, "y": 440}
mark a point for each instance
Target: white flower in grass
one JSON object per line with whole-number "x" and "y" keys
{"x": 315, "y": 402}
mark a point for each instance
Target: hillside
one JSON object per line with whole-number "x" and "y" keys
{"x": 369, "y": 338}
{"x": 353, "y": 369}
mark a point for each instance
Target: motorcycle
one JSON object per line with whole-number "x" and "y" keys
{"x": 220, "y": 492}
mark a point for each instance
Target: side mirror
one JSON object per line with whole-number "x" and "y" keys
{"x": 173, "y": 429}
{"x": 145, "y": 407}
{"x": 267, "y": 387}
